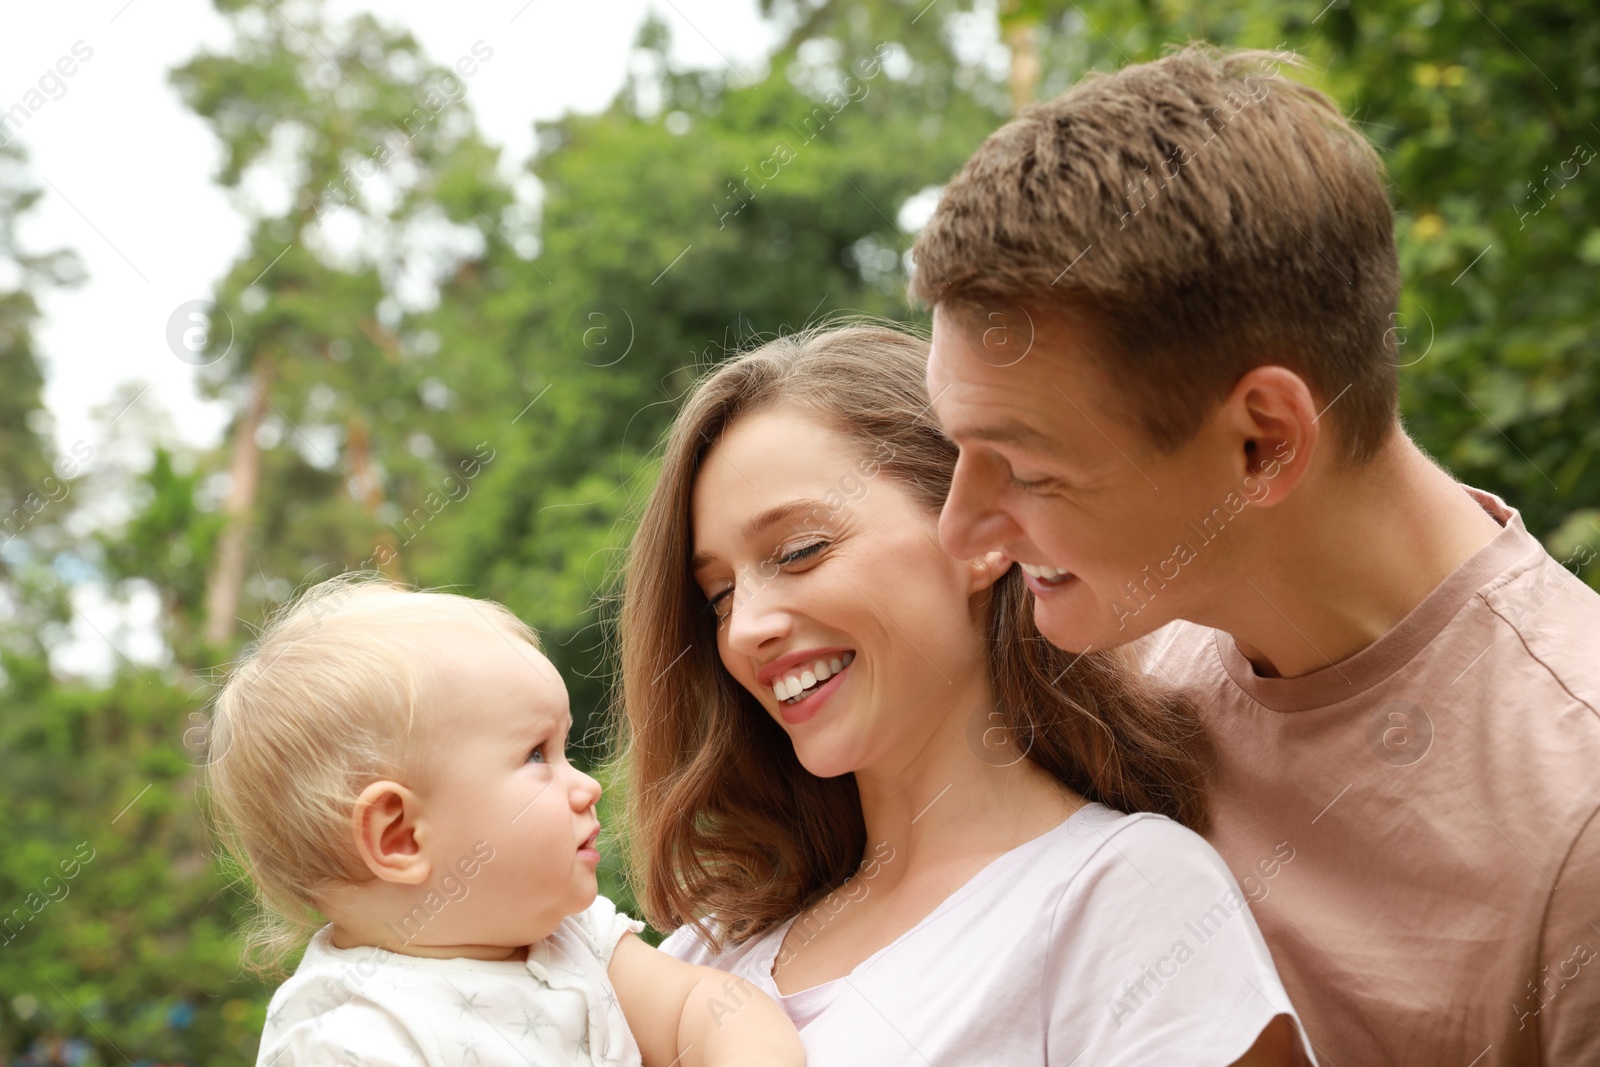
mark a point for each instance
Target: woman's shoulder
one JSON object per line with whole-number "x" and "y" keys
{"x": 691, "y": 944}
{"x": 688, "y": 944}
{"x": 1096, "y": 837}
{"x": 1154, "y": 918}
{"x": 1102, "y": 871}
{"x": 1148, "y": 885}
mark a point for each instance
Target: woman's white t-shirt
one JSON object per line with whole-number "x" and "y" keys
{"x": 1111, "y": 939}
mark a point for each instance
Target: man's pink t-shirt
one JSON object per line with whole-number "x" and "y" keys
{"x": 1436, "y": 794}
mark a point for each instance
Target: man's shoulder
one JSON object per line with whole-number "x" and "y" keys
{"x": 1175, "y": 651}
{"x": 1555, "y": 620}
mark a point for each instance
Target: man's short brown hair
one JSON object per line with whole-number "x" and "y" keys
{"x": 1202, "y": 215}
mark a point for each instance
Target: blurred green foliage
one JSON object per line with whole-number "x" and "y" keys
{"x": 408, "y": 313}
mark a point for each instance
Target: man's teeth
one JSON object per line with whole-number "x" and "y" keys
{"x": 1044, "y": 574}
{"x": 792, "y": 686}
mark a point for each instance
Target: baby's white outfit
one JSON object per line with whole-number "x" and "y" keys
{"x": 375, "y": 1008}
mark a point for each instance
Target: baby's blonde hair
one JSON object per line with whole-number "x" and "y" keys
{"x": 323, "y": 706}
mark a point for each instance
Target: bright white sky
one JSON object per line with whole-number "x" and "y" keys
{"x": 126, "y": 169}
{"x": 126, "y": 173}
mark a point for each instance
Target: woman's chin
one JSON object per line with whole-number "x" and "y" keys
{"x": 825, "y": 760}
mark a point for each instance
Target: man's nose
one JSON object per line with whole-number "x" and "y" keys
{"x": 971, "y": 523}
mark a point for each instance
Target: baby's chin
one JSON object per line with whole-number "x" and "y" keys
{"x": 537, "y": 928}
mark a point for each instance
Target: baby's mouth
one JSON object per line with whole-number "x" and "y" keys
{"x": 793, "y": 686}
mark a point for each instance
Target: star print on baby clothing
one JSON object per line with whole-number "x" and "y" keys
{"x": 556, "y": 1009}
{"x": 468, "y": 1043}
{"x": 469, "y": 1002}
{"x": 532, "y": 1027}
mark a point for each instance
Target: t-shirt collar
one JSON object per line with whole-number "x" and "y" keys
{"x": 1360, "y": 672}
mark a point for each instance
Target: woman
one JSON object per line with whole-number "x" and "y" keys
{"x": 858, "y": 778}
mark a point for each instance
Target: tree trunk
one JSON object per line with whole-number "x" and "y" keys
{"x": 244, "y": 478}
{"x": 370, "y": 492}
{"x": 1022, "y": 38}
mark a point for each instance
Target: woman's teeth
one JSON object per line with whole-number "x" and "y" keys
{"x": 1044, "y": 574}
{"x": 791, "y": 688}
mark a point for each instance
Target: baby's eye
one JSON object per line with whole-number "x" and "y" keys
{"x": 538, "y": 754}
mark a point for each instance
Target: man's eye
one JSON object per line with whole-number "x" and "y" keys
{"x": 1027, "y": 484}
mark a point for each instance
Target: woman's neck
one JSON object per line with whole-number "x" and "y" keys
{"x": 950, "y": 802}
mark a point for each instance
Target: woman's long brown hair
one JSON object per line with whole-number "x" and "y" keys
{"x": 722, "y": 820}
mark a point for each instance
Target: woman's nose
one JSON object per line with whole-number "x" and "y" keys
{"x": 755, "y": 618}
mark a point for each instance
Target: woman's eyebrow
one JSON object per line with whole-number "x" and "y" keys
{"x": 760, "y": 522}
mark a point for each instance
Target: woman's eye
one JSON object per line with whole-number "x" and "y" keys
{"x": 717, "y": 603}
{"x": 801, "y": 553}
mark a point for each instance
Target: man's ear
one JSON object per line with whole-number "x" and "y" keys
{"x": 988, "y": 569}
{"x": 1274, "y": 425}
{"x": 387, "y": 824}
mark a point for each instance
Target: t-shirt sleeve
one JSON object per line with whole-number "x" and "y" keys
{"x": 684, "y": 943}
{"x": 602, "y": 926}
{"x": 1156, "y": 958}
{"x": 1569, "y": 958}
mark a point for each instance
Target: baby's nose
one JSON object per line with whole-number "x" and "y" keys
{"x": 586, "y": 793}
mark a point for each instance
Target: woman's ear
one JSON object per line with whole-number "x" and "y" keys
{"x": 988, "y": 569}
{"x": 387, "y": 821}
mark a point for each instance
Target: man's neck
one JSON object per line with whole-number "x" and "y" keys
{"x": 1344, "y": 561}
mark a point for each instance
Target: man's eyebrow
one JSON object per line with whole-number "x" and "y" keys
{"x": 1007, "y": 433}
{"x": 760, "y": 522}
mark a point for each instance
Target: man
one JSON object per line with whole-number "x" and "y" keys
{"x": 1163, "y": 338}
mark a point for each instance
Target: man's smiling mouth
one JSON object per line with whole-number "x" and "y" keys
{"x": 1046, "y": 575}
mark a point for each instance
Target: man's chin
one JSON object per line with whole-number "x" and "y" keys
{"x": 1079, "y": 631}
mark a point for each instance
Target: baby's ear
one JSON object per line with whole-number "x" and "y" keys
{"x": 385, "y": 822}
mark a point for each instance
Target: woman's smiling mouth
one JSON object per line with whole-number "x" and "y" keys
{"x": 794, "y": 684}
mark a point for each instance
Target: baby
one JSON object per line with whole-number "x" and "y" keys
{"x": 395, "y": 762}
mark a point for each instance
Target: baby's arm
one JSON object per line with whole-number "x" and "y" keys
{"x": 698, "y": 1016}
